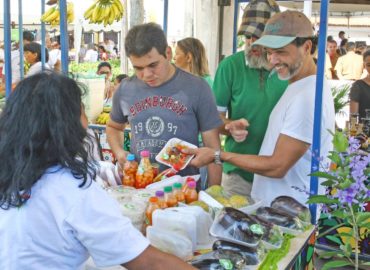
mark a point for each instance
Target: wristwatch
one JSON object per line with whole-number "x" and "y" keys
{"x": 217, "y": 156}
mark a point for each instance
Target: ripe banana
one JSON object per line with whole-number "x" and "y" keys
{"x": 52, "y": 15}
{"x": 103, "y": 118}
{"x": 104, "y": 11}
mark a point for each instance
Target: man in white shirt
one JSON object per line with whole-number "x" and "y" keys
{"x": 283, "y": 164}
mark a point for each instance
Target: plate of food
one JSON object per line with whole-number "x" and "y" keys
{"x": 172, "y": 154}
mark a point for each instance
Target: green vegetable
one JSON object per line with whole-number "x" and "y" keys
{"x": 275, "y": 255}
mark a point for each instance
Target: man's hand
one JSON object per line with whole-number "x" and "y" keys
{"x": 237, "y": 129}
{"x": 203, "y": 156}
{"x": 121, "y": 157}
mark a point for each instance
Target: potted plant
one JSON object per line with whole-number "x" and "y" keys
{"x": 347, "y": 199}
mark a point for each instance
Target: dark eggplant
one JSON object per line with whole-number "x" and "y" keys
{"x": 240, "y": 226}
{"x": 292, "y": 207}
{"x": 207, "y": 264}
{"x": 238, "y": 254}
{"x": 278, "y": 217}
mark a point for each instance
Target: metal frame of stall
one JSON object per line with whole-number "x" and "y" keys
{"x": 64, "y": 60}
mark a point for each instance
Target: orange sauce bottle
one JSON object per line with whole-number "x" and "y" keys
{"x": 191, "y": 194}
{"x": 153, "y": 205}
{"x": 129, "y": 171}
{"x": 169, "y": 197}
{"x": 161, "y": 201}
{"x": 180, "y": 196}
{"x": 144, "y": 174}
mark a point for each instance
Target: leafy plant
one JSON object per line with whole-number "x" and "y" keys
{"x": 340, "y": 96}
{"x": 347, "y": 180}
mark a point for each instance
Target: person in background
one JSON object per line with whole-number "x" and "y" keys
{"x": 32, "y": 55}
{"x": 331, "y": 59}
{"x": 341, "y": 36}
{"x": 82, "y": 53}
{"x": 342, "y": 50}
{"x": 91, "y": 54}
{"x": 28, "y": 37}
{"x": 103, "y": 55}
{"x": 360, "y": 91}
{"x": 246, "y": 91}
{"x": 104, "y": 68}
{"x": 349, "y": 66}
{"x": 284, "y": 161}
{"x": 47, "y": 188}
{"x": 190, "y": 55}
{"x": 161, "y": 102}
{"x": 117, "y": 82}
{"x": 55, "y": 56}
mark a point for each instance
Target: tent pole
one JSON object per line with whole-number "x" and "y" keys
{"x": 318, "y": 105}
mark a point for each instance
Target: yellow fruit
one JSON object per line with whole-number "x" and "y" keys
{"x": 238, "y": 201}
{"x": 202, "y": 204}
{"x": 223, "y": 201}
{"x": 47, "y": 14}
{"x": 215, "y": 191}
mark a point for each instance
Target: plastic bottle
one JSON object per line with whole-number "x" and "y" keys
{"x": 153, "y": 205}
{"x": 191, "y": 194}
{"x": 185, "y": 186}
{"x": 169, "y": 197}
{"x": 129, "y": 171}
{"x": 144, "y": 174}
{"x": 180, "y": 196}
{"x": 161, "y": 201}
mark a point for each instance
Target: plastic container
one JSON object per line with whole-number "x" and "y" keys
{"x": 191, "y": 195}
{"x": 172, "y": 156}
{"x": 129, "y": 171}
{"x": 174, "y": 221}
{"x": 170, "y": 197}
{"x": 94, "y": 98}
{"x": 237, "y": 227}
{"x": 144, "y": 174}
{"x": 153, "y": 205}
{"x": 161, "y": 201}
{"x": 170, "y": 242}
{"x": 203, "y": 222}
{"x": 135, "y": 211}
{"x": 143, "y": 195}
{"x": 180, "y": 196}
{"x": 122, "y": 193}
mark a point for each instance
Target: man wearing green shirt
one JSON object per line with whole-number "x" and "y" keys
{"x": 246, "y": 92}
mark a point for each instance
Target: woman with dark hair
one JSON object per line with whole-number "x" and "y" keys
{"x": 103, "y": 55}
{"x": 52, "y": 214}
{"x": 190, "y": 55}
{"x": 32, "y": 55}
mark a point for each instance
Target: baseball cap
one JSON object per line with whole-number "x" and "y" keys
{"x": 283, "y": 28}
{"x": 255, "y": 16}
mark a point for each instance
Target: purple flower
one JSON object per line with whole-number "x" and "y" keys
{"x": 354, "y": 145}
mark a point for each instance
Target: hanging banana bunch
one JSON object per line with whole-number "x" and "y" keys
{"x": 104, "y": 11}
{"x": 52, "y": 15}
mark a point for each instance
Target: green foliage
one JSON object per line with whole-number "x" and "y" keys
{"x": 88, "y": 67}
{"x": 340, "y": 96}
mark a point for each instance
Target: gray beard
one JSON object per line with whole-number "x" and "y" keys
{"x": 258, "y": 62}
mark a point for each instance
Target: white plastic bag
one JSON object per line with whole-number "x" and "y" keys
{"x": 173, "y": 242}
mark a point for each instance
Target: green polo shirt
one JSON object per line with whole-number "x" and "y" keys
{"x": 246, "y": 93}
